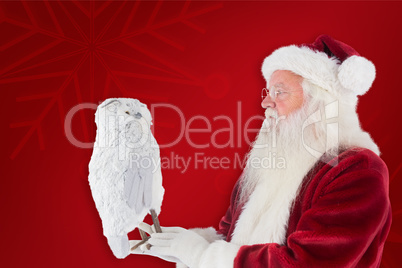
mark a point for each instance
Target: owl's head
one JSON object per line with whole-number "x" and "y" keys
{"x": 125, "y": 107}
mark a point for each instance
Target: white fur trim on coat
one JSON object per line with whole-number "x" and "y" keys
{"x": 219, "y": 254}
{"x": 208, "y": 234}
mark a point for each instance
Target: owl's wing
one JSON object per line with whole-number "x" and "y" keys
{"x": 138, "y": 185}
{"x": 147, "y": 174}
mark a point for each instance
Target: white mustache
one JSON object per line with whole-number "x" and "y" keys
{"x": 271, "y": 117}
{"x": 269, "y": 112}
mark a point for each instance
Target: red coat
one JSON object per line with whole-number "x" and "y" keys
{"x": 340, "y": 218}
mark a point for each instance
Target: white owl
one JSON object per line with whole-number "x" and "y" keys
{"x": 124, "y": 172}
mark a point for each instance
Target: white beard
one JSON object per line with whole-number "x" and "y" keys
{"x": 269, "y": 187}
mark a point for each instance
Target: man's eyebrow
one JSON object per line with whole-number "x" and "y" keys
{"x": 279, "y": 85}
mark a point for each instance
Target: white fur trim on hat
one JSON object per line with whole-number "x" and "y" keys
{"x": 356, "y": 73}
{"x": 314, "y": 66}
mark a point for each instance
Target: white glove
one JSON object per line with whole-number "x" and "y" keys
{"x": 142, "y": 250}
{"x": 179, "y": 243}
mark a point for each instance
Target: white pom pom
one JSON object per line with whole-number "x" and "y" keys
{"x": 356, "y": 74}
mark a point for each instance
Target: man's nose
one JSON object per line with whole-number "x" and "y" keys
{"x": 268, "y": 102}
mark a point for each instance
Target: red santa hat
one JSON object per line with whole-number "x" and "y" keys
{"x": 328, "y": 63}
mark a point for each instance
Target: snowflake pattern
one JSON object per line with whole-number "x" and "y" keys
{"x": 63, "y": 46}
{"x": 69, "y": 38}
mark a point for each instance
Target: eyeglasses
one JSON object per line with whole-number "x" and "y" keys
{"x": 277, "y": 93}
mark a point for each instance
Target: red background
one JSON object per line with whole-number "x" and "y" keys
{"x": 203, "y": 57}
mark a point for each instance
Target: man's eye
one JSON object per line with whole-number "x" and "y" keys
{"x": 279, "y": 92}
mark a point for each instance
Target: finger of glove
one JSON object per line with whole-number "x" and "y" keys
{"x": 145, "y": 247}
{"x": 146, "y": 228}
{"x": 146, "y": 251}
{"x": 164, "y": 236}
{"x": 160, "y": 242}
{"x": 172, "y": 229}
{"x": 161, "y": 251}
{"x": 169, "y": 258}
{"x": 138, "y": 250}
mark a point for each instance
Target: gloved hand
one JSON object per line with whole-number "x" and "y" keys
{"x": 178, "y": 243}
{"x": 142, "y": 250}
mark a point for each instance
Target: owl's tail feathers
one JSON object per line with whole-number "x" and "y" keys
{"x": 119, "y": 246}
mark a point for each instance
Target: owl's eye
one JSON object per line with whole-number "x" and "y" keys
{"x": 127, "y": 112}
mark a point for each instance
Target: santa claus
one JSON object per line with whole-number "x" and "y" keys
{"x": 328, "y": 205}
